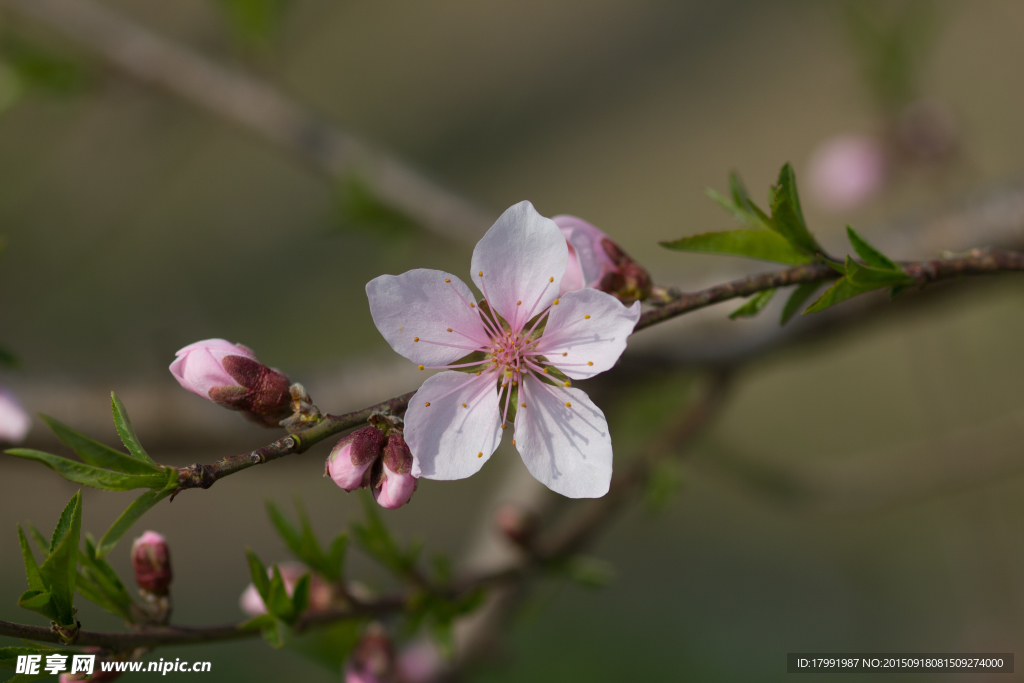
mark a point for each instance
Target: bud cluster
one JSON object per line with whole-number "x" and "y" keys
{"x": 376, "y": 458}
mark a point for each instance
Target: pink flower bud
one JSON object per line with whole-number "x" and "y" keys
{"x": 846, "y": 171}
{"x": 596, "y": 261}
{"x": 321, "y": 595}
{"x": 352, "y": 456}
{"x": 420, "y": 662}
{"x": 151, "y": 561}
{"x": 14, "y": 421}
{"x": 373, "y": 660}
{"x": 392, "y": 481}
{"x": 230, "y": 375}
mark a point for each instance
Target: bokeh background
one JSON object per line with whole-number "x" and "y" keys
{"x": 860, "y": 492}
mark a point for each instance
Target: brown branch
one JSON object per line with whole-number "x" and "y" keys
{"x": 258, "y": 108}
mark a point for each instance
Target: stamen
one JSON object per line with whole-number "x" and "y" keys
{"x": 551, "y": 279}
{"x": 522, "y": 405}
{"x": 513, "y": 442}
{"x": 565, "y": 353}
{"x": 519, "y": 303}
{"x": 415, "y": 339}
{"x": 568, "y": 405}
{"x": 481, "y": 273}
{"x": 479, "y": 347}
{"x": 586, "y": 317}
{"x": 420, "y": 367}
{"x": 480, "y": 454}
{"x": 448, "y": 279}
{"x": 545, "y": 370}
{"x": 463, "y": 405}
{"x": 449, "y": 329}
{"x": 567, "y": 383}
{"x": 555, "y": 302}
{"x": 590, "y": 362}
{"x": 427, "y": 404}
{"x": 504, "y": 426}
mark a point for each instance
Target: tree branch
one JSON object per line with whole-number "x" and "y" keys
{"x": 259, "y": 108}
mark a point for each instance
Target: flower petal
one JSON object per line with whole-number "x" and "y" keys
{"x": 563, "y": 439}
{"x": 447, "y": 440}
{"x": 582, "y": 347}
{"x": 522, "y": 258}
{"x": 424, "y": 304}
{"x": 586, "y": 241}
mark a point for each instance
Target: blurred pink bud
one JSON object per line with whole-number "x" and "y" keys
{"x": 846, "y": 171}
{"x": 321, "y": 595}
{"x": 373, "y": 659}
{"x": 394, "y": 485}
{"x": 518, "y": 525}
{"x": 421, "y": 662}
{"x": 352, "y": 456}
{"x": 151, "y": 560}
{"x": 230, "y": 375}
{"x": 595, "y": 261}
{"x": 14, "y": 421}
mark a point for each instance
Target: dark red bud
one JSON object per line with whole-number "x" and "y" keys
{"x": 266, "y": 400}
{"x": 151, "y": 560}
{"x": 397, "y": 455}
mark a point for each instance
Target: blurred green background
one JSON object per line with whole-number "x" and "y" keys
{"x": 861, "y": 492}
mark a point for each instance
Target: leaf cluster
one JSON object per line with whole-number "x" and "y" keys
{"x": 51, "y": 585}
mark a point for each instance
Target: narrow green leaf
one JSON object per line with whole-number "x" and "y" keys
{"x": 842, "y": 290}
{"x": 60, "y": 569}
{"x": 740, "y": 214}
{"x": 259, "y": 575}
{"x": 105, "y": 578}
{"x": 797, "y": 299}
{"x": 788, "y": 217}
{"x": 132, "y": 513}
{"x": 300, "y": 596}
{"x": 127, "y": 432}
{"x": 276, "y": 634}
{"x": 375, "y": 539}
{"x": 35, "y": 583}
{"x": 88, "y": 475}
{"x": 89, "y": 589}
{"x": 39, "y": 602}
{"x": 287, "y": 532}
{"x": 336, "y": 558}
{"x": 754, "y": 305}
{"x": 304, "y": 543}
{"x": 260, "y": 622}
{"x": 95, "y": 453}
{"x": 41, "y": 541}
{"x": 868, "y": 278}
{"x": 278, "y": 603}
{"x": 741, "y": 198}
{"x": 759, "y": 244}
{"x": 869, "y": 254}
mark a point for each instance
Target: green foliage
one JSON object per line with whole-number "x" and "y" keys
{"x": 797, "y": 299}
{"x": 754, "y": 305}
{"x": 877, "y": 271}
{"x": 282, "y": 610}
{"x": 132, "y": 513}
{"x": 100, "y": 584}
{"x": 103, "y": 467}
{"x": 376, "y": 540}
{"x": 759, "y": 244}
{"x": 359, "y": 209}
{"x": 782, "y": 237}
{"x": 304, "y": 545}
{"x": 329, "y": 646}
{"x": 52, "y": 584}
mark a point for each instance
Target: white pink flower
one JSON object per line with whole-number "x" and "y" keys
{"x": 14, "y": 421}
{"x": 847, "y": 171}
{"x": 527, "y": 339}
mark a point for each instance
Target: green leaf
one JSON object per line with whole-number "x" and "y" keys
{"x": 336, "y": 558}
{"x": 788, "y": 217}
{"x": 132, "y": 513}
{"x": 305, "y": 545}
{"x": 276, "y": 634}
{"x": 759, "y": 244}
{"x": 300, "y": 596}
{"x": 60, "y": 569}
{"x": 329, "y": 646}
{"x": 842, "y": 290}
{"x": 375, "y": 538}
{"x": 35, "y": 583}
{"x": 105, "y": 580}
{"x": 95, "y": 453}
{"x": 868, "y": 278}
{"x": 40, "y": 602}
{"x": 869, "y": 254}
{"x": 92, "y": 476}
{"x": 127, "y": 432}
{"x": 754, "y": 305}
{"x": 741, "y": 198}
{"x": 797, "y": 299}
{"x": 41, "y": 541}
{"x": 259, "y": 576}
{"x": 278, "y": 603}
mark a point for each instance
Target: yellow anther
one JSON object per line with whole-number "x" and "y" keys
{"x": 463, "y": 405}
{"x": 565, "y": 353}
{"x": 503, "y": 426}
{"x": 590, "y": 362}
{"x": 555, "y": 302}
{"x": 567, "y": 383}
{"x": 480, "y": 454}
{"x": 586, "y": 317}
{"x": 478, "y": 374}
{"x": 481, "y": 273}
{"x": 519, "y": 303}
{"x": 522, "y": 405}
{"x": 551, "y": 279}
{"x": 472, "y": 305}
{"x": 447, "y": 279}
{"x": 415, "y": 338}
{"x": 545, "y": 371}
{"x": 449, "y": 329}
{"x": 513, "y": 442}
{"x": 420, "y": 367}
{"x": 427, "y": 404}
{"x": 568, "y": 405}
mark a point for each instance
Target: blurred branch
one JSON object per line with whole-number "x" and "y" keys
{"x": 259, "y": 108}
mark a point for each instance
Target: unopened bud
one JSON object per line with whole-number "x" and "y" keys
{"x": 373, "y": 660}
{"x": 351, "y": 458}
{"x": 392, "y": 483}
{"x": 14, "y": 421}
{"x": 230, "y": 375}
{"x": 151, "y": 561}
{"x": 321, "y": 594}
{"x": 518, "y": 525}
{"x": 847, "y": 171}
{"x": 595, "y": 261}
